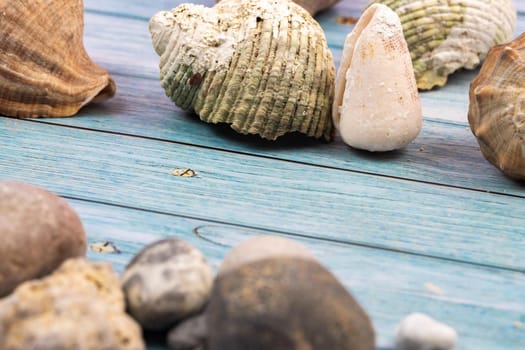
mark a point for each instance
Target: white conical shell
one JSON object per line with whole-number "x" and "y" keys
{"x": 376, "y": 104}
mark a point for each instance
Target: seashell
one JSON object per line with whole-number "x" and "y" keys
{"x": 497, "y": 108}
{"x": 444, "y": 36}
{"x": 166, "y": 282}
{"x": 281, "y": 300}
{"x": 376, "y": 105}
{"x": 44, "y": 68}
{"x": 419, "y": 331}
{"x": 315, "y": 6}
{"x": 262, "y": 66}
{"x": 263, "y": 247}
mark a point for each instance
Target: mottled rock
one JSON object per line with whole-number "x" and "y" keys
{"x": 167, "y": 281}
{"x": 80, "y": 306}
{"x": 284, "y": 303}
{"x": 38, "y": 231}
{"x": 190, "y": 334}
{"x": 420, "y": 332}
{"x": 263, "y": 247}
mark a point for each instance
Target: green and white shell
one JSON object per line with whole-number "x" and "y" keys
{"x": 446, "y": 35}
{"x": 262, "y": 66}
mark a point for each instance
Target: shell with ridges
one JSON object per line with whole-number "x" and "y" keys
{"x": 262, "y": 66}
{"x": 44, "y": 68}
{"x": 446, "y": 35}
{"x": 314, "y": 6}
{"x": 497, "y": 107}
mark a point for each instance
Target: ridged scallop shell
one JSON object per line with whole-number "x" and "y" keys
{"x": 376, "y": 104}
{"x": 314, "y": 6}
{"x": 446, "y": 35}
{"x": 262, "y": 66}
{"x": 44, "y": 68}
{"x": 497, "y": 107}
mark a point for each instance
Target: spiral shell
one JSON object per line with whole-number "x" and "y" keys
{"x": 262, "y": 66}
{"x": 497, "y": 107}
{"x": 44, "y": 68}
{"x": 446, "y": 35}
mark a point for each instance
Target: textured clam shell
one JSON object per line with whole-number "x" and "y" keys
{"x": 497, "y": 107}
{"x": 261, "y": 66}
{"x": 444, "y": 36}
{"x": 376, "y": 104}
{"x": 44, "y": 69}
{"x": 314, "y": 6}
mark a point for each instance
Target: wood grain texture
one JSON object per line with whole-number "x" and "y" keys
{"x": 481, "y": 304}
{"x": 265, "y": 193}
{"x": 443, "y": 153}
{"x": 432, "y": 228}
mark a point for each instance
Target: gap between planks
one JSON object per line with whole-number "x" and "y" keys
{"x": 323, "y": 166}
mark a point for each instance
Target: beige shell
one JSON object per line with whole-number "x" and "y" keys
{"x": 446, "y": 35}
{"x": 497, "y": 107}
{"x": 314, "y": 6}
{"x": 261, "y": 66}
{"x": 44, "y": 68}
{"x": 376, "y": 104}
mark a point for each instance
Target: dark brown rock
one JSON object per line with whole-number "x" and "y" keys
{"x": 285, "y": 303}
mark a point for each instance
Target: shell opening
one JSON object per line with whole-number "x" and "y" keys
{"x": 105, "y": 93}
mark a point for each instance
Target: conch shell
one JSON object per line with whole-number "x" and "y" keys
{"x": 376, "y": 105}
{"x": 497, "y": 107}
{"x": 44, "y": 68}
{"x": 262, "y": 66}
{"x": 446, "y": 35}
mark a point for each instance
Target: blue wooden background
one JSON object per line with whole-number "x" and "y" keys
{"x": 433, "y": 228}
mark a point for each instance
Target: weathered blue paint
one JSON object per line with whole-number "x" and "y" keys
{"x": 432, "y": 228}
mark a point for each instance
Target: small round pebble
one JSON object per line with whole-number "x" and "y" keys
{"x": 263, "y": 247}
{"x": 38, "y": 231}
{"x": 166, "y": 282}
{"x": 420, "y": 332}
{"x": 190, "y": 334}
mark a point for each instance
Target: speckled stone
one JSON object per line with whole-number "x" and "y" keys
{"x": 285, "y": 303}
{"x": 166, "y": 282}
{"x": 263, "y": 247}
{"x": 80, "y": 306}
{"x": 38, "y": 231}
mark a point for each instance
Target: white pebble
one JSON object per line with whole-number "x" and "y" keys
{"x": 421, "y": 332}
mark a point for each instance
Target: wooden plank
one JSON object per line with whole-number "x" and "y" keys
{"x": 265, "y": 193}
{"x": 482, "y": 304}
{"x": 443, "y": 153}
